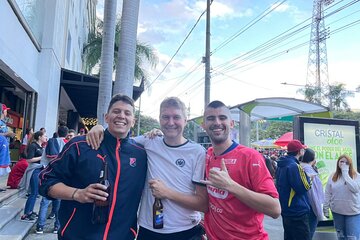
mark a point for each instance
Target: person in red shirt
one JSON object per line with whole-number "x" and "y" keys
{"x": 241, "y": 189}
{"x": 17, "y": 172}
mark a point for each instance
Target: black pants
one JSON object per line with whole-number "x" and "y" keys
{"x": 296, "y": 228}
{"x": 194, "y": 233}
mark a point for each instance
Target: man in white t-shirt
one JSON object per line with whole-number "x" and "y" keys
{"x": 175, "y": 167}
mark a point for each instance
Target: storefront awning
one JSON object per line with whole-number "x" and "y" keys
{"x": 83, "y": 91}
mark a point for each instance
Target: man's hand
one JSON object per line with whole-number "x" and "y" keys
{"x": 95, "y": 136}
{"x": 95, "y": 191}
{"x": 153, "y": 133}
{"x": 159, "y": 189}
{"x": 219, "y": 178}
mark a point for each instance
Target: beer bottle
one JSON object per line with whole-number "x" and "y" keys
{"x": 158, "y": 216}
{"x": 101, "y": 208}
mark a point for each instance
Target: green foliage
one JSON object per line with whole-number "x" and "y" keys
{"x": 274, "y": 129}
{"x": 338, "y": 95}
{"x": 146, "y": 123}
{"x": 349, "y": 115}
{"x": 311, "y": 93}
{"x": 189, "y": 130}
{"x": 145, "y": 54}
{"x": 335, "y": 96}
{"x": 270, "y": 129}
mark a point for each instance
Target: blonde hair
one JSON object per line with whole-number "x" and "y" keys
{"x": 173, "y": 102}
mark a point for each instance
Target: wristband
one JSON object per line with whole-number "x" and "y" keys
{"x": 72, "y": 196}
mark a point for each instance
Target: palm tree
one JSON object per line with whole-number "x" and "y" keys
{"x": 337, "y": 95}
{"x": 310, "y": 93}
{"x": 124, "y": 79}
{"x": 107, "y": 59}
{"x": 92, "y": 52}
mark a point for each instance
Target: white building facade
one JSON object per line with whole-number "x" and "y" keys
{"x": 37, "y": 39}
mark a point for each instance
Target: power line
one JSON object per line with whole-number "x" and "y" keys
{"x": 265, "y": 47}
{"x": 249, "y": 25}
{"x": 176, "y": 52}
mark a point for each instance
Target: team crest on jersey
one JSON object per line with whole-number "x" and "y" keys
{"x": 132, "y": 162}
{"x": 180, "y": 162}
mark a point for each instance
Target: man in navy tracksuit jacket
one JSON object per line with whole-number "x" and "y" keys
{"x": 74, "y": 176}
{"x": 292, "y": 184}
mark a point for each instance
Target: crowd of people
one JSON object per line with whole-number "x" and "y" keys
{"x": 232, "y": 185}
{"x": 35, "y": 152}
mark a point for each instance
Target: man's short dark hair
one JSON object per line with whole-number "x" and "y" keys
{"x": 122, "y": 98}
{"x": 216, "y": 104}
{"x": 63, "y": 131}
{"x": 71, "y": 131}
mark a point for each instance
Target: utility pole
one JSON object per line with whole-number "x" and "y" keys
{"x": 206, "y": 59}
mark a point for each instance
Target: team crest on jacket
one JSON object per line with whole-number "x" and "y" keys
{"x": 132, "y": 162}
{"x": 180, "y": 162}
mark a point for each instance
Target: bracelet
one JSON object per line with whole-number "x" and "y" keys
{"x": 72, "y": 196}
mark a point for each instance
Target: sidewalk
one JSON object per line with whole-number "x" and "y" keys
{"x": 272, "y": 226}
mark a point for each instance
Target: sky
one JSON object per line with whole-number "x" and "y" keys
{"x": 241, "y": 70}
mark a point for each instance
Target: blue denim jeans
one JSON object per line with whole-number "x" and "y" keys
{"x": 347, "y": 226}
{"x": 44, "y": 205}
{"x": 34, "y": 191}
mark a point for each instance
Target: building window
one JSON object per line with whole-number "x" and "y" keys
{"x": 32, "y": 11}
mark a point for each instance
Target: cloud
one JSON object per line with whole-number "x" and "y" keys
{"x": 282, "y": 8}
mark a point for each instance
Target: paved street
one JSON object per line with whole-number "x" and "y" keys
{"x": 272, "y": 226}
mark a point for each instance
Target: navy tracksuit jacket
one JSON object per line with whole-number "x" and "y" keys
{"x": 78, "y": 166}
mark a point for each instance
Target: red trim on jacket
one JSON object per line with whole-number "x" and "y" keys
{"x": 68, "y": 222}
{"x": 116, "y": 184}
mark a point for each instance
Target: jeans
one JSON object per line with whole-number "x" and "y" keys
{"x": 347, "y": 226}
{"x": 44, "y": 205}
{"x": 313, "y": 221}
{"x": 34, "y": 191}
{"x": 296, "y": 228}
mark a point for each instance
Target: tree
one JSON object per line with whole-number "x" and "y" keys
{"x": 124, "y": 79}
{"x": 311, "y": 93}
{"x": 347, "y": 115}
{"x": 107, "y": 59}
{"x": 146, "y": 124}
{"x": 337, "y": 95}
{"x": 270, "y": 129}
{"x": 92, "y": 52}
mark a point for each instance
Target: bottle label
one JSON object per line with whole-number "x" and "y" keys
{"x": 158, "y": 217}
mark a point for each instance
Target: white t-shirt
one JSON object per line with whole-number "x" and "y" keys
{"x": 179, "y": 168}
